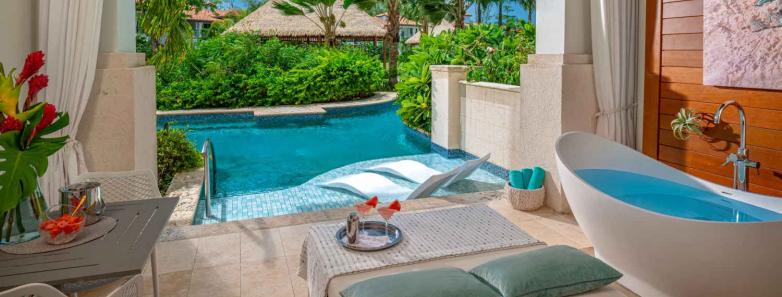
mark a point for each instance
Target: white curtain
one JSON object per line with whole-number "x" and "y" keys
{"x": 615, "y": 42}
{"x": 68, "y": 32}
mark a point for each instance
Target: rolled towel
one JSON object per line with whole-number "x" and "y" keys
{"x": 536, "y": 181}
{"x": 527, "y": 174}
{"x": 516, "y": 179}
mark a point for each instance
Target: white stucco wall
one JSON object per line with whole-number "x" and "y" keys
{"x": 118, "y": 27}
{"x": 563, "y": 27}
{"x": 17, "y": 36}
{"x": 446, "y": 104}
{"x": 490, "y": 121}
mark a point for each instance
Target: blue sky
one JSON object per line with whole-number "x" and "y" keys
{"x": 490, "y": 16}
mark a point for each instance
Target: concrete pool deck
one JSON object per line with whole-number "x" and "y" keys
{"x": 284, "y": 110}
{"x": 254, "y": 258}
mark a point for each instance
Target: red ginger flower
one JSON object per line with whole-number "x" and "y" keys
{"x": 36, "y": 83}
{"x": 49, "y": 114}
{"x": 11, "y": 124}
{"x": 32, "y": 64}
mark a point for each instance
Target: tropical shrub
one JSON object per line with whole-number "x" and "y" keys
{"x": 174, "y": 154}
{"x": 240, "y": 70}
{"x": 491, "y": 52}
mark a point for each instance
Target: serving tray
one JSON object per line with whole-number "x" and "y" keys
{"x": 372, "y": 230}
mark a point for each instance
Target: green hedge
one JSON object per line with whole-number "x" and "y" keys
{"x": 174, "y": 154}
{"x": 493, "y": 54}
{"x": 239, "y": 70}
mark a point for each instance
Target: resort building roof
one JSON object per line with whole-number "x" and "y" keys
{"x": 270, "y": 22}
{"x": 207, "y": 15}
{"x": 416, "y": 38}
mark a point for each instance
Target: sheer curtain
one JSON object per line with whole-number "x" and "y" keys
{"x": 68, "y": 32}
{"x": 615, "y": 42}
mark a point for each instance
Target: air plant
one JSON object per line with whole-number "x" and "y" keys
{"x": 687, "y": 122}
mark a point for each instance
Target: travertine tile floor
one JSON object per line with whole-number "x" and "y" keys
{"x": 264, "y": 262}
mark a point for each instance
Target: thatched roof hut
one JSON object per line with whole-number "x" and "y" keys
{"x": 270, "y": 22}
{"x": 416, "y": 38}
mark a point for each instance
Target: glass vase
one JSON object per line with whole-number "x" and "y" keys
{"x": 21, "y": 223}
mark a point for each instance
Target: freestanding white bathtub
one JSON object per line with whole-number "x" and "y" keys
{"x": 670, "y": 233}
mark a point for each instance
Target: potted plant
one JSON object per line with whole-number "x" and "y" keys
{"x": 24, "y": 150}
{"x": 687, "y": 122}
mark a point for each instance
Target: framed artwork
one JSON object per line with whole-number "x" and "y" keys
{"x": 742, "y": 43}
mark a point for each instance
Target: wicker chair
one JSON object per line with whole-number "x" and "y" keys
{"x": 125, "y": 186}
{"x": 134, "y": 287}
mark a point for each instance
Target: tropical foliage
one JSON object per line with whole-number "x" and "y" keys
{"x": 174, "y": 154}
{"x": 165, "y": 27}
{"x": 491, "y": 52}
{"x": 391, "y": 38}
{"x": 238, "y": 70}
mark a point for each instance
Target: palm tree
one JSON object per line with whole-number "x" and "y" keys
{"x": 453, "y": 10}
{"x": 425, "y": 20}
{"x": 529, "y": 6}
{"x": 480, "y": 6}
{"x": 499, "y": 12}
{"x": 165, "y": 23}
{"x": 324, "y": 16}
{"x": 393, "y": 10}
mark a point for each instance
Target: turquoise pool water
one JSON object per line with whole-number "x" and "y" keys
{"x": 672, "y": 198}
{"x": 262, "y": 154}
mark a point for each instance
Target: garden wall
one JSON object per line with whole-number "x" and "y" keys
{"x": 491, "y": 111}
{"x": 518, "y": 125}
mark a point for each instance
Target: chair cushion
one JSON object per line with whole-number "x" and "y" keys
{"x": 552, "y": 271}
{"x": 441, "y": 282}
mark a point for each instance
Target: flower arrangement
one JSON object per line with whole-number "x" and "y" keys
{"x": 24, "y": 152}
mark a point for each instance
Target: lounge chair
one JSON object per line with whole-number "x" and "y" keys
{"x": 369, "y": 184}
{"x": 417, "y": 172}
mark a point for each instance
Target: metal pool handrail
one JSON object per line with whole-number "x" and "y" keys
{"x": 207, "y": 151}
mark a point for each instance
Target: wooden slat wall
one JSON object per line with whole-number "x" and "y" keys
{"x": 674, "y": 77}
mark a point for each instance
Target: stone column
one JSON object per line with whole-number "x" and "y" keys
{"x": 446, "y": 105}
{"x": 557, "y": 89}
{"x": 119, "y": 125}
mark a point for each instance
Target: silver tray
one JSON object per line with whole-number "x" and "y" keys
{"x": 372, "y": 228}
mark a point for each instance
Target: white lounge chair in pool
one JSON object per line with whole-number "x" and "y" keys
{"x": 417, "y": 172}
{"x": 368, "y": 184}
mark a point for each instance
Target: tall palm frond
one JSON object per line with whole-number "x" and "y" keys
{"x": 453, "y": 10}
{"x": 529, "y": 6}
{"x": 164, "y": 21}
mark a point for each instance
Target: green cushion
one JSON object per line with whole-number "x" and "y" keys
{"x": 552, "y": 271}
{"x": 442, "y": 282}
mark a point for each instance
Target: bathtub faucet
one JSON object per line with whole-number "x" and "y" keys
{"x": 739, "y": 159}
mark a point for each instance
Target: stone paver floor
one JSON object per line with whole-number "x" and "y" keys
{"x": 263, "y": 262}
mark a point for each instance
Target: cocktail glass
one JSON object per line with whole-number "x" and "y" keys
{"x": 363, "y": 210}
{"x": 386, "y": 212}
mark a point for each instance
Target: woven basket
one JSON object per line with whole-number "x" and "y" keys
{"x": 522, "y": 199}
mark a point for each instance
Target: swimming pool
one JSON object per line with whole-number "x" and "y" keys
{"x": 261, "y": 154}
{"x": 270, "y": 166}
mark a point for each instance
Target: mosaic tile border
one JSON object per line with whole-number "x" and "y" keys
{"x": 331, "y": 109}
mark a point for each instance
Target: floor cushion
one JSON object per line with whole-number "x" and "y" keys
{"x": 441, "y": 282}
{"x": 551, "y": 271}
